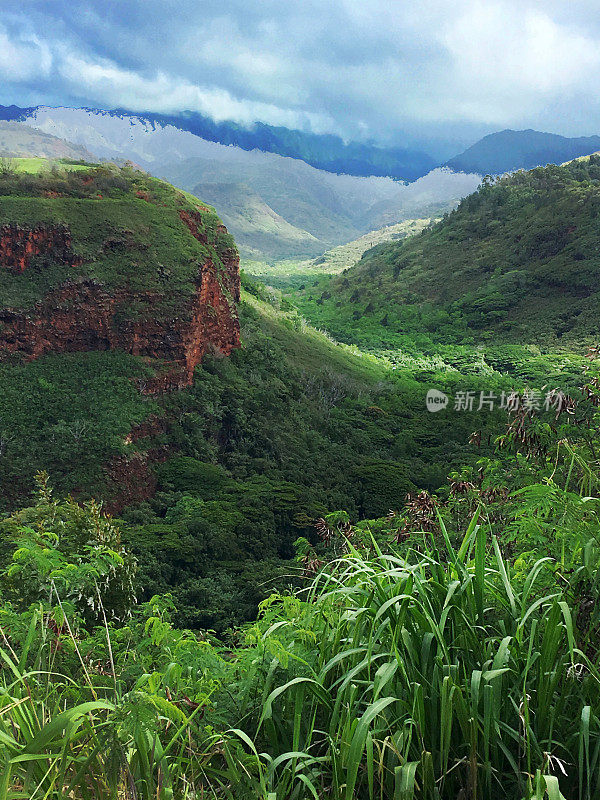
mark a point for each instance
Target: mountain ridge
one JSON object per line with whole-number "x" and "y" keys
{"x": 507, "y": 150}
{"x": 259, "y": 230}
{"x": 495, "y": 153}
{"x": 19, "y": 140}
{"x": 328, "y": 152}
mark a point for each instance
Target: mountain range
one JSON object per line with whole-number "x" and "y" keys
{"x": 312, "y": 208}
{"x": 264, "y": 182}
{"x": 323, "y": 151}
{"x": 496, "y": 153}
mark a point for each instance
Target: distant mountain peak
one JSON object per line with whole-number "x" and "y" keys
{"x": 22, "y": 141}
{"x": 508, "y": 150}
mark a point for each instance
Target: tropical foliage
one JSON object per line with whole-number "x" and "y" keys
{"x": 432, "y": 653}
{"x": 232, "y": 635}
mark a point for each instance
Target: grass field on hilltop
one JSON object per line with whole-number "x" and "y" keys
{"x": 125, "y": 227}
{"x": 36, "y": 165}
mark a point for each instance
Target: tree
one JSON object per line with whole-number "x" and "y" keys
{"x": 7, "y": 166}
{"x": 58, "y": 551}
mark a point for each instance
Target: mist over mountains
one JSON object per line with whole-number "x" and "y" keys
{"x": 314, "y": 208}
{"x": 266, "y": 182}
{"x": 323, "y": 151}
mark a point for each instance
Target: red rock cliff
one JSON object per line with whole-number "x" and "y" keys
{"x": 84, "y": 315}
{"x": 19, "y": 244}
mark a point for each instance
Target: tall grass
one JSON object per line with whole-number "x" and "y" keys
{"x": 86, "y": 739}
{"x": 425, "y": 675}
{"x": 431, "y": 678}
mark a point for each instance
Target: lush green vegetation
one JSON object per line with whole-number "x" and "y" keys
{"x": 68, "y": 414}
{"x": 235, "y": 490}
{"x": 449, "y": 650}
{"x": 435, "y": 639}
{"x": 125, "y": 228}
{"x": 517, "y": 261}
{"x": 36, "y": 164}
{"x": 288, "y": 428}
{"x": 245, "y": 459}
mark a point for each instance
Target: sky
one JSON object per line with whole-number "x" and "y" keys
{"x": 440, "y": 73}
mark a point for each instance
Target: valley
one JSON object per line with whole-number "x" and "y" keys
{"x": 248, "y": 425}
{"x": 242, "y": 553}
{"x": 289, "y": 272}
{"x": 87, "y": 322}
{"x": 513, "y": 263}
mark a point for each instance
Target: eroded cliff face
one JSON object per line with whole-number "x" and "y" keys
{"x": 83, "y": 314}
{"x": 107, "y": 259}
{"x": 18, "y": 245}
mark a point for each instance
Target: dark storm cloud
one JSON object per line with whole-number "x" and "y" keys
{"x": 359, "y": 67}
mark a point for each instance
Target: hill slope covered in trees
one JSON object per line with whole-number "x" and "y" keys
{"x": 517, "y": 261}
{"x": 117, "y": 310}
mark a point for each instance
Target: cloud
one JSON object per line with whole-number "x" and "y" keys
{"x": 23, "y": 57}
{"x": 507, "y": 65}
{"x": 161, "y": 92}
{"x": 357, "y": 67}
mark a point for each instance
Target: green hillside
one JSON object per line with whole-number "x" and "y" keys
{"x": 253, "y": 449}
{"x": 517, "y": 261}
{"x": 125, "y": 228}
{"x": 97, "y": 265}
